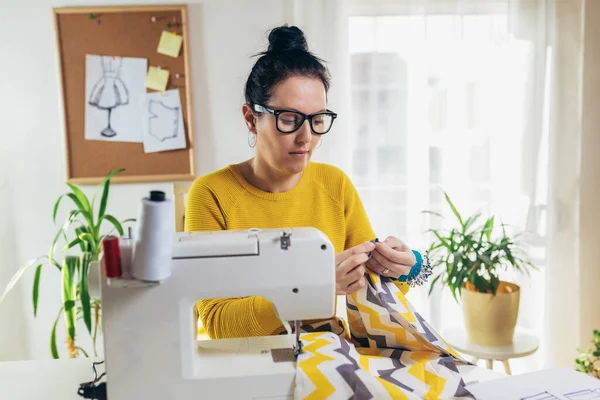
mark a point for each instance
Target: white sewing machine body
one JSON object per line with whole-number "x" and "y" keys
{"x": 150, "y": 330}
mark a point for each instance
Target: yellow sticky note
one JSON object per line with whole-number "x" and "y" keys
{"x": 170, "y": 44}
{"x": 157, "y": 79}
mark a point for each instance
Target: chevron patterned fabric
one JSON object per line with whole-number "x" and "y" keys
{"x": 388, "y": 352}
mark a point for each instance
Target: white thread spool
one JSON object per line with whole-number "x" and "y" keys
{"x": 153, "y": 242}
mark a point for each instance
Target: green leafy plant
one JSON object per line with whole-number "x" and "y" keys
{"x": 588, "y": 361}
{"x": 472, "y": 254}
{"x": 82, "y": 232}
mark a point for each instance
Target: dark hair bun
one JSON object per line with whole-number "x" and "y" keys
{"x": 287, "y": 38}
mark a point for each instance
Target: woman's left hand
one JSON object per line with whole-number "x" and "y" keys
{"x": 391, "y": 258}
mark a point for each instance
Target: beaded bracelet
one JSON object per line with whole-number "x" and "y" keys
{"x": 420, "y": 272}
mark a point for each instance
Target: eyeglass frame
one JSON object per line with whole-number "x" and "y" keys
{"x": 263, "y": 109}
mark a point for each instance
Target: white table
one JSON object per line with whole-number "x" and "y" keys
{"x": 524, "y": 344}
{"x": 45, "y": 379}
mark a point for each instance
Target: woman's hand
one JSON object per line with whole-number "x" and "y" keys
{"x": 350, "y": 268}
{"x": 391, "y": 258}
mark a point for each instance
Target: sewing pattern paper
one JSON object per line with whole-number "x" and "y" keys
{"x": 114, "y": 87}
{"x": 163, "y": 122}
{"x": 388, "y": 351}
{"x": 157, "y": 79}
{"x": 170, "y": 44}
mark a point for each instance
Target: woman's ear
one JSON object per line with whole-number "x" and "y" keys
{"x": 249, "y": 118}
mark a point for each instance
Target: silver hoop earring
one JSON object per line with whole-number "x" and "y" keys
{"x": 251, "y": 139}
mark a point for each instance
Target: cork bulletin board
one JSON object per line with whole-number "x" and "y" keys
{"x": 126, "y": 93}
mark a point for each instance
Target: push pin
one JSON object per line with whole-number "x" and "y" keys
{"x": 91, "y": 15}
{"x": 153, "y": 19}
{"x": 177, "y": 75}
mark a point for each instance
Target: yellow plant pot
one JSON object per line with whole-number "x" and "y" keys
{"x": 490, "y": 320}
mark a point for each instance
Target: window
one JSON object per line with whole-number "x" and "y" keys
{"x": 440, "y": 102}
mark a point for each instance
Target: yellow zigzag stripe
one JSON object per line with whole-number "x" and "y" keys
{"x": 323, "y": 388}
{"x": 410, "y": 317}
{"x": 392, "y": 389}
{"x": 400, "y": 334}
{"x": 436, "y": 383}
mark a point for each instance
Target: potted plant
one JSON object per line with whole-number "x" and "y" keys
{"x": 588, "y": 361}
{"x": 470, "y": 257}
{"x": 81, "y": 232}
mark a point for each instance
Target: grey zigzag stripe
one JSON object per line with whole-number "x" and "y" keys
{"x": 373, "y": 299}
{"x": 386, "y": 374}
{"x": 351, "y": 306}
{"x": 461, "y": 391}
{"x": 427, "y": 331}
{"x": 348, "y": 373}
{"x": 379, "y": 339}
{"x": 386, "y": 295}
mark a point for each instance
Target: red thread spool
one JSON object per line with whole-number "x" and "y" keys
{"x": 112, "y": 257}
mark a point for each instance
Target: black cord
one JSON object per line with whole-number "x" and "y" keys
{"x": 89, "y": 390}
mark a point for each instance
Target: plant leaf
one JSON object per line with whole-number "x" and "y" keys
{"x": 488, "y": 227}
{"x": 53, "y": 348}
{"x": 85, "y": 294}
{"x": 83, "y": 351}
{"x": 115, "y": 223}
{"x": 454, "y": 210}
{"x": 73, "y": 243}
{"x": 85, "y": 204}
{"x": 15, "y": 278}
{"x": 105, "y": 191}
{"x": 85, "y": 211}
{"x": 61, "y": 231}
{"x": 432, "y": 285}
{"x": 433, "y": 213}
{"x": 36, "y": 288}
{"x": 56, "y": 208}
{"x": 70, "y": 265}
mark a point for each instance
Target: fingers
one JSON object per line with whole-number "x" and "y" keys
{"x": 395, "y": 269}
{"x": 366, "y": 247}
{"x": 356, "y": 274}
{"x": 396, "y": 256}
{"x": 357, "y": 285}
{"x": 352, "y": 279}
{"x": 380, "y": 269}
{"x": 396, "y": 243}
{"x": 351, "y": 262}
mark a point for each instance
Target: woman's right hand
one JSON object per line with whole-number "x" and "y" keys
{"x": 350, "y": 268}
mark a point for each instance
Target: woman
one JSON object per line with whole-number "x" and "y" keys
{"x": 286, "y": 114}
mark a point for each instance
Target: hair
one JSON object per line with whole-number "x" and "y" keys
{"x": 287, "y": 55}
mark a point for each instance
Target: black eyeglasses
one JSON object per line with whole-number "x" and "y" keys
{"x": 289, "y": 121}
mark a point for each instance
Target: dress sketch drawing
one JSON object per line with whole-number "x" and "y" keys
{"x": 163, "y": 121}
{"x": 109, "y": 91}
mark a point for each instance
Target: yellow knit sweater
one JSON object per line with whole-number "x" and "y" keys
{"x": 223, "y": 200}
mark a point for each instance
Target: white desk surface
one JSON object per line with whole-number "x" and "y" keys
{"x": 45, "y": 379}
{"x": 60, "y": 379}
{"x": 524, "y": 344}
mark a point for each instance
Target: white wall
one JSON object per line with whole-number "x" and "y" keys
{"x": 223, "y": 36}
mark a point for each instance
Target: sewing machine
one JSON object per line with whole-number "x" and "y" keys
{"x": 150, "y": 345}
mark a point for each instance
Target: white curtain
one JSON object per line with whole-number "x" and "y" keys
{"x": 481, "y": 99}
